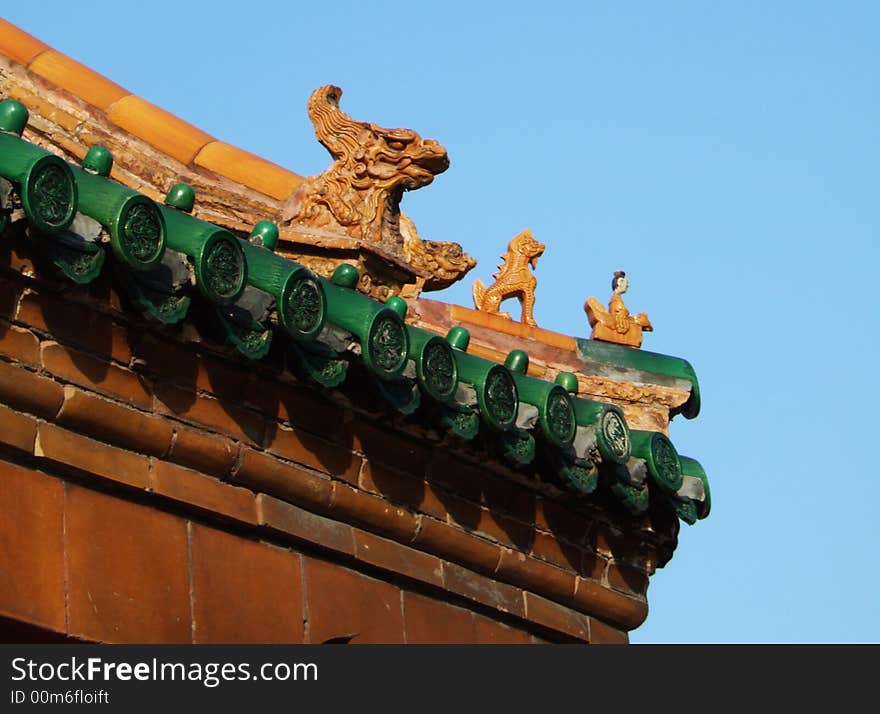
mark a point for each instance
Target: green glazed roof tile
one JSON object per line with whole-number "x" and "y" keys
{"x": 610, "y": 360}
{"x": 327, "y": 324}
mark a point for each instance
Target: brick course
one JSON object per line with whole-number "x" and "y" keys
{"x": 548, "y": 613}
{"x": 261, "y": 472}
{"x": 208, "y": 453}
{"x": 18, "y": 430}
{"x": 114, "y": 423}
{"x": 19, "y": 344}
{"x": 398, "y": 558}
{"x": 92, "y": 457}
{"x": 284, "y": 518}
{"x": 76, "y": 324}
{"x": 29, "y": 392}
{"x": 204, "y": 492}
{"x": 316, "y": 453}
{"x": 205, "y": 411}
{"x": 95, "y": 374}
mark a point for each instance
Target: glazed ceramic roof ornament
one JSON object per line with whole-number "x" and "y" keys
{"x": 513, "y": 279}
{"x": 616, "y": 324}
{"x": 358, "y": 196}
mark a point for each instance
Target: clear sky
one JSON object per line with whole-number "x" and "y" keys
{"x": 725, "y": 155}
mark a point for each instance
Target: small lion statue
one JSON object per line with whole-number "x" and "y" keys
{"x": 513, "y": 279}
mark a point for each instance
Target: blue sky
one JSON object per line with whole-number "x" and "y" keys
{"x": 725, "y": 156}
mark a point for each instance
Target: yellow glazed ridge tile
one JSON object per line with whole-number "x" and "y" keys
{"x": 248, "y": 169}
{"x": 77, "y": 79}
{"x": 18, "y": 45}
{"x": 159, "y": 128}
{"x": 513, "y": 328}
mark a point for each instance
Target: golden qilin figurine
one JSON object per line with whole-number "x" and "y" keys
{"x": 513, "y": 279}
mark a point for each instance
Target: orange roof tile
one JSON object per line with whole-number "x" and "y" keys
{"x": 175, "y": 137}
{"x": 77, "y": 79}
{"x": 247, "y": 169}
{"x": 19, "y": 45}
{"x": 159, "y": 128}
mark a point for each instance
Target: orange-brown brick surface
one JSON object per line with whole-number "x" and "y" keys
{"x": 406, "y": 489}
{"x": 627, "y": 579}
{"x": 372, "y": 513}
{"x": 429, "y": 622}
{"x": 214, "y": 414}
{"x": 481, "y": 589}
{"x": 454, "y": 544}
{"x": 592, "y": 597}
{"x": 128, "y": 570}
{"x": 261, "y": 472}
{"x": 492, "y": 525}
{"x": 244, "y": 591}
{"x": 516, "y": 568}
{"x": 92, "y": 373}
{"x": 92, "y": 457}
{"x": 32, "y": 547}
{"x": 398, "y": 558}
{"x": 19, "y": 344}
{"x": 345, "y": 604}
{"x": 204, "y": 492}
{"x": 29, "y": 392}
{"x": 561, "y": 522}
{"x": 208, "y": 453}
{"x": 17, "y": 430}
{"x": 602, "y": 634}
{"x": 382, "y": 445}
{"x": 289, "y": 520}
{"x": 557, "y": 551}
{"x": 551, "y": 614}
{"x": 74, "y": 323}
{"x": 296, "y": 406}
{"x": 114, "y": 423}
{"x": 490, "y": 632}
{"x": 316, "y": 453}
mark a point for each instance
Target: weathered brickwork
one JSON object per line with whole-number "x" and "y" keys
{"x": 99, "y": 567}
{"x": 240, "y": 460}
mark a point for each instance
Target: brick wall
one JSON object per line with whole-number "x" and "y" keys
{"x": 156, "y": 489}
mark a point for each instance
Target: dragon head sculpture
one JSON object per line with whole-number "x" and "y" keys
{"x": 361, "y": 191}
{"x": 392, "y": 160}
{"x": 358, "y": 196}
